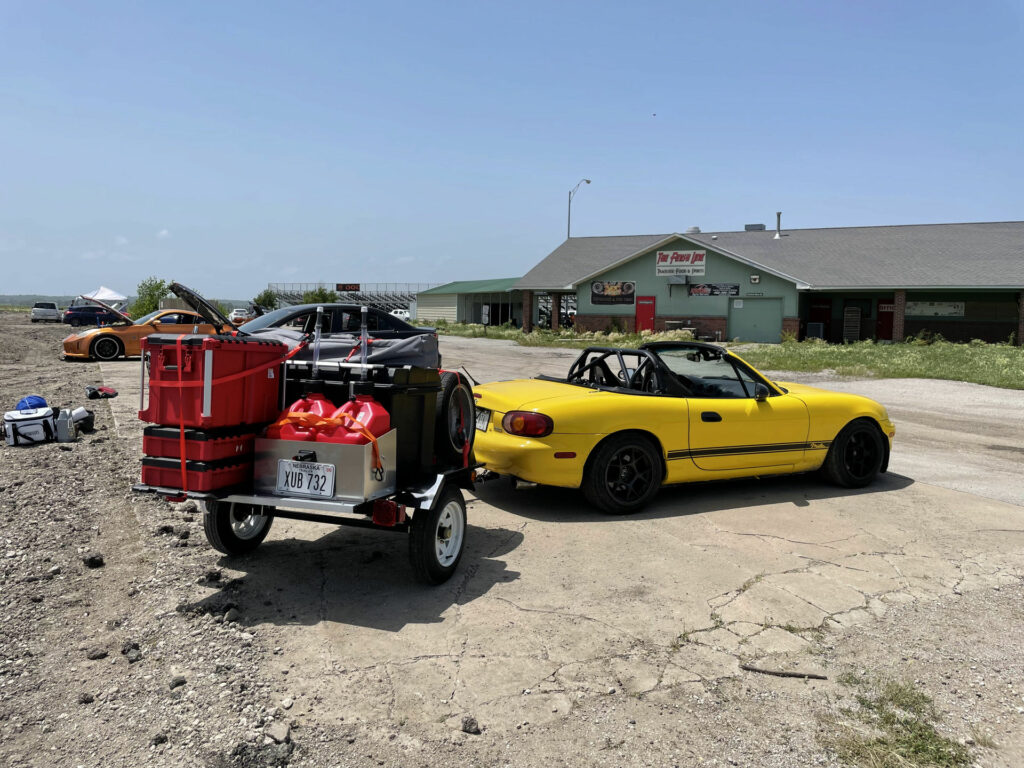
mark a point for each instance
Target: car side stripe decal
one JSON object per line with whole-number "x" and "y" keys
{"x": 742, "y": 450}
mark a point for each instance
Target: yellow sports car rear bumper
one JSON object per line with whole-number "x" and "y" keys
{"x": 553, "y": 460}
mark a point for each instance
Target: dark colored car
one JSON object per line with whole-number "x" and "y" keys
{"x": 90, "y": 314}
{"x": 338, "y": 318}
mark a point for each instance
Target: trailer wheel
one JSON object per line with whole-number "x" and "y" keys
{"x": 455, "y": 424}
{"x": 234, "y": 528}
{"x": 437, "y": 537}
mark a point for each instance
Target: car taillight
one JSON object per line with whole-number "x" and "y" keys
{"x": 527, "y": 424}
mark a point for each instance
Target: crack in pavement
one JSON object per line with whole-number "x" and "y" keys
{"x": 566, "y": 614}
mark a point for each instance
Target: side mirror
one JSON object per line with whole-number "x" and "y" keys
{"x": 761, "y": 392}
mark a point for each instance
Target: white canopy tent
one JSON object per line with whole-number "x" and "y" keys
{"x": 106, "y": 295}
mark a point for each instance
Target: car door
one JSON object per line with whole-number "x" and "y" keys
{"x": 730, "y": 429}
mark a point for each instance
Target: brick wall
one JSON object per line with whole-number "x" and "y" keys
{"x": 791, "y": 325}
{"x": 899, "y": 317}
{"x": 527, "y": 311}
{"x": 1020, "y": 319}
{"x": 605, "y": 322}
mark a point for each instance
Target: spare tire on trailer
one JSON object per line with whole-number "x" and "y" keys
{"x": 455, "y": 426}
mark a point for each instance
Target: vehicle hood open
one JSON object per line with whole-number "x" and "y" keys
{"x": 209, "y": 312}
{"x": 122, "y": 317}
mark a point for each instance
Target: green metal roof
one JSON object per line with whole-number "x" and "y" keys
{"x": 475, "y": 286}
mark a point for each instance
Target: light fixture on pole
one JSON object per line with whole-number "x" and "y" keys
{"x": 568, "y": 221}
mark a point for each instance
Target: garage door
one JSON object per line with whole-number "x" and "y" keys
{"x": 755, "y": 319}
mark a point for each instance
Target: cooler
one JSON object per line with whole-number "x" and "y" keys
{"x": 199, "y": 475}
{"x": 225, "y": 380}
{"x": 200, "y": 444}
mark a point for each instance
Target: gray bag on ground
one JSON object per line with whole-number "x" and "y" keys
{"x": 30, "y": 426}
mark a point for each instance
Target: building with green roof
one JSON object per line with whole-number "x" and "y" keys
{"x": 490, "y": 302}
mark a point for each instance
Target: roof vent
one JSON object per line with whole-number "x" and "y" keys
{"x": 693, "y": 230}
{"x": 753, "y": 227}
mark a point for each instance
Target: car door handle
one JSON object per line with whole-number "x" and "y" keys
{"x": 710, "y": 416}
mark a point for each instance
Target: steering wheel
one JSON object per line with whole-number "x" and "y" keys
{"x": 644, "y": 378}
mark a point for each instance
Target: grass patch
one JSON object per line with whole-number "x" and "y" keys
{"x": 995, "y": 365}
{"x": 892, "y": 727}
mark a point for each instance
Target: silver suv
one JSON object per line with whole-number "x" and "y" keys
{"x": 45, "y": 310}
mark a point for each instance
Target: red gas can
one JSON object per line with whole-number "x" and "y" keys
{"x": 364, "y": 409}
{"x": 315, "y": 404}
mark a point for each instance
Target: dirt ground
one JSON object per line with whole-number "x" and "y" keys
{"x": 568, "y": 637}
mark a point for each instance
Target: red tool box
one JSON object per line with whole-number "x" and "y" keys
{"x": 225, "y": 380}
{"x": 199, "y": 475}
{"x": 200, "y": 444}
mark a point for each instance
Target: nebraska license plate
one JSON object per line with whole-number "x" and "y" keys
{"x": 483, "y": 418}
{"x": 305, "y": 478}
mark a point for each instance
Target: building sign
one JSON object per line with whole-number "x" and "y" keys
{"x": 607, "y": 292}
{"x": 680, "y": 263}
{"x": 935, "y": 308}
{"x": 715, "y": 289}
{"x": 886, "y": 307}
{"x": 346, "y": 286}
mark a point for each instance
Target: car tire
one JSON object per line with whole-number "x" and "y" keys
{"x": 622, "y": 475}
{"x": 74, "y": 322}
{"x": 437, "y": 538}
{"x": 106, "y": 348}
{"x": 236, "y": 529}
{"x": 455, "y": 424}
{"x": 856, "y": 455}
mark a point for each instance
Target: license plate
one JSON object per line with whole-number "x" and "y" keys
{"x": 305, "y": 478}
{"x": 483, "y": 418}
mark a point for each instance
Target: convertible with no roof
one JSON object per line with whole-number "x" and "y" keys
{"x": 624, "y": 422}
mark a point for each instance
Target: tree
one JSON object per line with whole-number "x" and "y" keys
{"x": 266, "y": 299}
{"x": 148, "y": 295}
{"x": 320, "y": 296}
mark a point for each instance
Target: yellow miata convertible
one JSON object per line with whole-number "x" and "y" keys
{"x": 623, "y": 422}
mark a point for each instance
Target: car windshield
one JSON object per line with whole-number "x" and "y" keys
{"x": 269, "y": 320}
{"x": 146, "y": 318}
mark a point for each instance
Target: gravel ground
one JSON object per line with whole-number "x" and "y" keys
{"x": 120, "y": 645}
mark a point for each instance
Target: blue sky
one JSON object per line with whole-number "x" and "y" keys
{"x": 227, "y": 145}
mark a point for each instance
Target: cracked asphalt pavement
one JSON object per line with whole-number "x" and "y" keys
{"x": 576, "y": 638}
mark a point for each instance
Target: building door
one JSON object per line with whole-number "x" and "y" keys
{"x": 819, "y": 318}
{"x": 755, "y": 319}
{"x": 645, "y": 313}
{"x": 883, "y": 324}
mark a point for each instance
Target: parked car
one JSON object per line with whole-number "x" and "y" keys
{"x": 338, "y": 318}
{"x": 45, "y": 311}
{"x": 240, "y": 315}
{"x": 623, "y": 422}
{"x": 401, "y": 314}
{"x": 122, "y": 337}
{"x": 92, "y": 314}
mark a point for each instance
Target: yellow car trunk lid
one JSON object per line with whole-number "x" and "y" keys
{"x": 528, "y": 394}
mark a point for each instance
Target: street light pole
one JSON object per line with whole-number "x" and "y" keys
{"x": 568, "y": 221}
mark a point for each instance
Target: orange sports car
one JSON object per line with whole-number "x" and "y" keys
{"x": 108, "y": 342}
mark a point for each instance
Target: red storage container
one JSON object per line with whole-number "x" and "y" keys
{"x": 200, "y": 444}
{"x": 199, "y": 475}
{"x": 217, "y": 391}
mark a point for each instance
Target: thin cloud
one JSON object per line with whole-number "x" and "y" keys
{"x": 163, "y": 234}
{"x": 121, "y": 240}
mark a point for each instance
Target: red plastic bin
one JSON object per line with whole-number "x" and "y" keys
{"x": 207, "y": 400}
{"x": 199, "y": 475}
{"x": 200, "y": 444}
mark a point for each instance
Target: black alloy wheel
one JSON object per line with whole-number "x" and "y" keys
{"x": 623, "y": 475}
{"x": 856, "y": 455}
{"x": 106, "y": 348}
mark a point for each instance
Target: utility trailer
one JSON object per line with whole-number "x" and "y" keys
{"x": 409, "y": 479}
